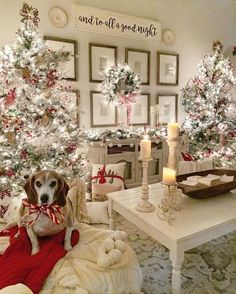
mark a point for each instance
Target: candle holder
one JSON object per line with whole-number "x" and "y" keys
{"x": 170, "y": 203}
{"x": 172, "y": 158}
{"x": 144, "y": 205}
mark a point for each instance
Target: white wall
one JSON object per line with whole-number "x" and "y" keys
{"x": 196, "y": 24}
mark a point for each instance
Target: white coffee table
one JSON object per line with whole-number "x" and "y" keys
{"x": 198, "y": 222}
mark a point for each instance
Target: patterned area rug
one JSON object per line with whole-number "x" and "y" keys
{"x": 207, "y": 269}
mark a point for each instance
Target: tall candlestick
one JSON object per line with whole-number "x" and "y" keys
{"x": 169, "y": 176}
{"x": 145, "y": 148}
{"x": 144, "y": 205}
{"x": 173, "y": 131}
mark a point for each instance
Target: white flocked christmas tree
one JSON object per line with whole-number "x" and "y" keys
{"x": 210, "y": 122}
{"x": 38, "y": 126}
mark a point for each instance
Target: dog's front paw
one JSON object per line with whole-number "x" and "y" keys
{"x": 35, "y": 250}
{"x": 67, "y": 246}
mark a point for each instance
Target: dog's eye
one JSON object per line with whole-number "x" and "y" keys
{"x": 38, "y": 184}
{"x": 53, "y": 184}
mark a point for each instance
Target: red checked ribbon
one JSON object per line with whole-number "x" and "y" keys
{"x": 50, "y": 210}
{"x": 101, "y": 175}
{"x": 127, "y": 100}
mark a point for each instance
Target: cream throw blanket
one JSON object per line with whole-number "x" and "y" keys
{"x": 78, "y": 270}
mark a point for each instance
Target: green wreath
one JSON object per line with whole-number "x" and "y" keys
{"x": 120, "y": 82}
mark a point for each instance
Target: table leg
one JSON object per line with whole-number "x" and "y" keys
{"x": 111, "y": 215}
{"x": 177, "y": 258}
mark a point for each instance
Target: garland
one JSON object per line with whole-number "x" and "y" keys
{"x": 96, "y": 135}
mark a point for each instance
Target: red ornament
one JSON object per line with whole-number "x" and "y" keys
{"x": 10, "y": 173}
{"x": 10, "y": 98}
{"x": 24, "y": 154}
{"x": 51, "y": 78}
{"x": 4, "y": 194}
{"x": 187, "y": 156}
{"x": 51, "y": 110}
{"x": 71, "y": 148}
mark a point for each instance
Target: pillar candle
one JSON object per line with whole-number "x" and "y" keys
{"x": 145, "y": 148}
{"x": 169, "y": 176}
{"x": 172, "y": 131}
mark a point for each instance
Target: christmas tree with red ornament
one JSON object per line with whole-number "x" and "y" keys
{"x": 38, "y": 126}
{"x": 210, "y": 122}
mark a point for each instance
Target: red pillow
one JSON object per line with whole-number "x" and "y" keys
{"x": 187, "y": 157}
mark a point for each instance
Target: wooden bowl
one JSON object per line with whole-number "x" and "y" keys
{"x": 201, "y": 191}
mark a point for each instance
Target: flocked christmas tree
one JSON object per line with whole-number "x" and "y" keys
{"x": 210, "y": 123}
{"x": 38, "y": 129}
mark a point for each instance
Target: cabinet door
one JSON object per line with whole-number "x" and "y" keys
{"x": 130, "y": 167}
{"x": 96, "y": 154}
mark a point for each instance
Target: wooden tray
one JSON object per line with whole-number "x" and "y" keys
{"x": 201, "y": 191}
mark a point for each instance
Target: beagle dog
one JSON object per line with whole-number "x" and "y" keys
{"x": 47, "y": 210}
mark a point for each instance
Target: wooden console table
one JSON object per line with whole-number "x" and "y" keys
{"x": 198, "y": 222}
{"x": 127, "y": 150}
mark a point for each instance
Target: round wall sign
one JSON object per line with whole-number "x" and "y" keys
{"x": 169, "y": 37}
{"x": 57, "y": 17}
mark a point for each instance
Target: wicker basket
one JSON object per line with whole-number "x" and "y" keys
{"x": 201, "y": 191}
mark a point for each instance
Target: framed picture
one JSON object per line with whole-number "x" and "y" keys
{"x": 140, "y": 110}
{"x": 103, "y": 114}
{"x": 167, "y": 69}
{"x": 71, "y": 102}
{"x": 139, "y": 61}
{"x": 71, "y": 66}
{"x": 101, "y": 57}
{"x": 168, "y": 108}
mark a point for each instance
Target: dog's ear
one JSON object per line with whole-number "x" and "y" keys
{"x": 30, "y": 191}
{"x": 62, "y": 191}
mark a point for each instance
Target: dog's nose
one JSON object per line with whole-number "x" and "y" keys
{"x": 44, "y": 198}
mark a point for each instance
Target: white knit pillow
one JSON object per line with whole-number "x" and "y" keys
{"x": 98, "y": 212}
